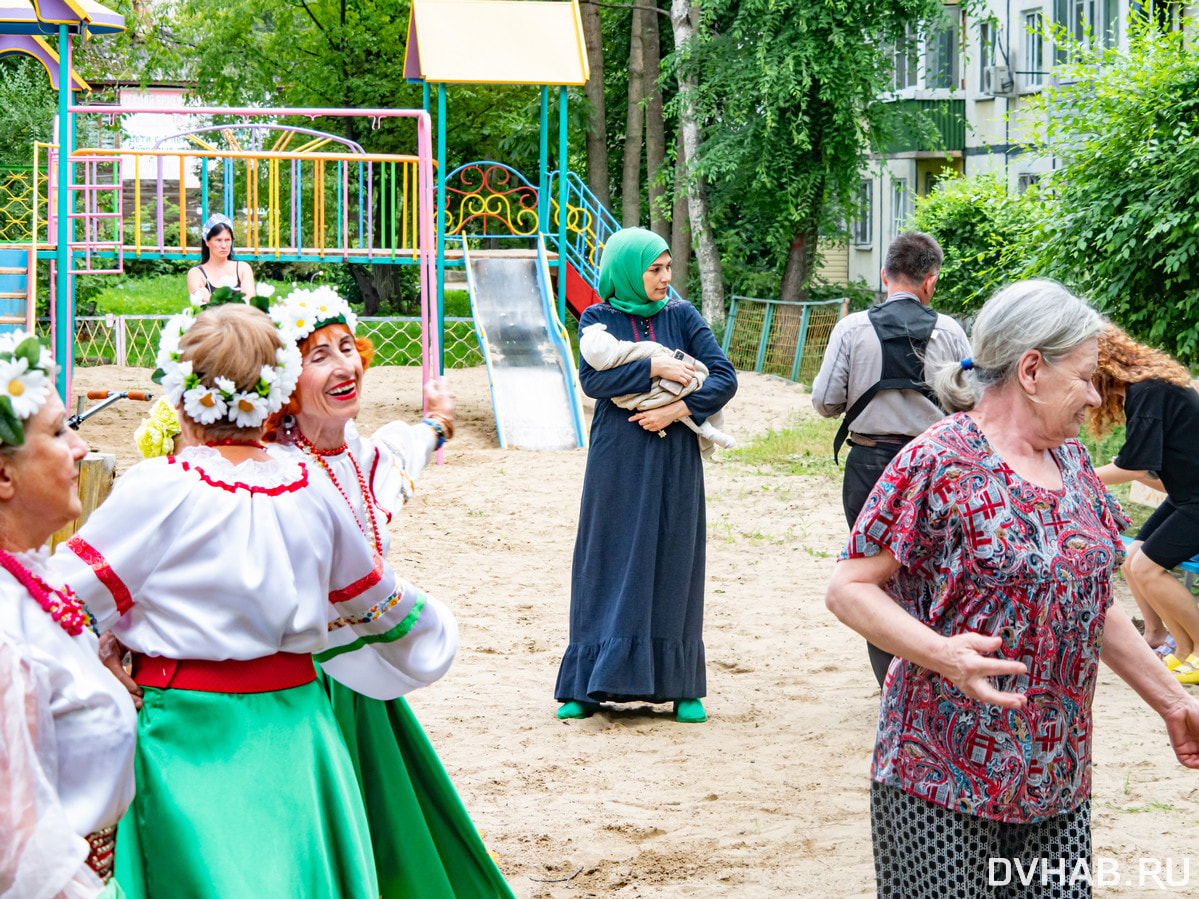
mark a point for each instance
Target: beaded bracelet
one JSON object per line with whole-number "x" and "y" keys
{"x": 438, "y": 429}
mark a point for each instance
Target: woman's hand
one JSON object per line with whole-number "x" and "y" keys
{"x": 968, "y": 664}
{"x": 670, "y": 368}
{"x": 111, "y": 655}
{"x": 1182, "y": 724}
{"x": 439, "y": 399}
{"x": 662, "y": 417}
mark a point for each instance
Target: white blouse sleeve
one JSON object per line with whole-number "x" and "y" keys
{"x": 40, "y": 855}
{"x": 386, "y": 637}
{"x": 401, "y": 452}
{"x": 109, "y": 558}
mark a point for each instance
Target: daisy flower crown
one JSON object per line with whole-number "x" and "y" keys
{"x": 26, "y": 370}
{"x": 305, "y": 309}
{"x": 207, "y": 404}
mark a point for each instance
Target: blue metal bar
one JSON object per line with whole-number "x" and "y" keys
{"x": 728, "y": 330}
{"x": 800, "y": 341}
{"x": 229, "y": 188}
{"x": 64, "y": 305}
{"x": 765, "y": 338}
{"x": 203, "y": 194}
{"x": 361, "y": 206}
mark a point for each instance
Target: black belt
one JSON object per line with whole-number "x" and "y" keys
{"x": 875, "y": 439}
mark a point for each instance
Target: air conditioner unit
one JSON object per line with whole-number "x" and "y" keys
{"x": 998, "y": 81}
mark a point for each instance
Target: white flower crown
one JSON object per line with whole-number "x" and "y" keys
{"x": 305, "y": 309}
{"x": 207, "y": 405}
{"x": 26, "y": 371}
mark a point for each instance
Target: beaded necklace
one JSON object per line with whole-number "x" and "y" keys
{"x": 318, "y": 456}
{"x": 68, "y": 610}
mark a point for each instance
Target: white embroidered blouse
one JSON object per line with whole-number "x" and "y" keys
{"x": 193, "y": 557}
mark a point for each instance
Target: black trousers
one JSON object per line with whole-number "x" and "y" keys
{"x": 863, "y": 467}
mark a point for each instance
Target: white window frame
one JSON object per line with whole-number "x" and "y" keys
{"x": 947, "y": 38}
{"x": 1085, "y": 20}
{"x": 988, "y": 31}
{"x": 907, "y": 56}
{"x": 1025, "y": 180}
{"x": 1033, "y": 57}
{"x": 899, "y": 206}
{"x": 863, "y": 226}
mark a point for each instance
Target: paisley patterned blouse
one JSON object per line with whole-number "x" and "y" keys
{"x": 982, "y": 550}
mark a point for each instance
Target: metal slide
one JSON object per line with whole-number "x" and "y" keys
{"x": 534, "y": 384}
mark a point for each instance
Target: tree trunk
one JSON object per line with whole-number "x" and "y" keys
{"x": 597, "y": 123}
{"x": 801, "y": 259}
{"x": 682, "y": 19}
{"x": 630, "y": 183}
{"x": 655, "y": 127}
{"x": 680, "y": 230}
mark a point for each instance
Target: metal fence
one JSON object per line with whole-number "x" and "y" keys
{"x": 132, "y": 340}
{"x": 780, "y": 338}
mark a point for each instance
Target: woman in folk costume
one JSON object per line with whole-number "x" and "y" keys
{"x": 67, "y": 726}
{"x": 637, "y": 584}
{"x": 425, "y": 845}
{"x": 227, "y": 571}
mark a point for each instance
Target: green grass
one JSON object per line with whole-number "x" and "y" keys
{"x": 161, "y": 295}
{"x": 803, "y": 447}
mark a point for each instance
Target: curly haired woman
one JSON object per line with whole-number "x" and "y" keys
{"x": 1154, "y": 396}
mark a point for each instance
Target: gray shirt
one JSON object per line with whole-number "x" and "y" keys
{"x": 853, "y": 362}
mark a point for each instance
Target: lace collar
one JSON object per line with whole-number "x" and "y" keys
{"x": 274, "y": 476}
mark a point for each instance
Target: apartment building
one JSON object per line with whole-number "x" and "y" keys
{"x": 970, "y": 77}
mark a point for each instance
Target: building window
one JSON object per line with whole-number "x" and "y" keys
{"x": 905, "y": 61}
{"x": 1025, "y": 180}
{"x": 986, "y": 52}
{"x": 1088, "y": 22}
{"x": 862, "y": 227}
{"x": 899, "y": 206}
{"x": 1034, "y": 75}
{"x": 941, "y": 56}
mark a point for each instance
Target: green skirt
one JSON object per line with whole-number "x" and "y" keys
{"x": 243, "y": 795}
{"x": 425, "y": 845}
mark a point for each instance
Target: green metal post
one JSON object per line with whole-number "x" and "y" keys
{"x": 800, "y": 341}
{"x": 765, "y": 339}
{"x": 424, "y": 96}
{"x": 441, "y": 228}
{"x": 543, "y": 176}
{"x": 562, "y": 204}
{"x": 64, "y": 305}
{"x": 729, "y": 325}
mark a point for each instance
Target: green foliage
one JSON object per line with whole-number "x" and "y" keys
{"x": 985, "y": 232}
{"x": 790, "y": 91}
{"x": 1125, "y": 129}
{"x": 803, "y": 447}
{"x": 27, "y": 108}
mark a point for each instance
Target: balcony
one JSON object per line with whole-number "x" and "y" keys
{"x": 948, "y": 118}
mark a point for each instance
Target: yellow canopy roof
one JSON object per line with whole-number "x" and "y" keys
{"x": 496, "y": 42}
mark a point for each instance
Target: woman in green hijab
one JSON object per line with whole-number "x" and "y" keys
{"x": 637, "y": 583}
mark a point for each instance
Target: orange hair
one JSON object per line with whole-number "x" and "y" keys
{"x": 366, "y": 352}
{"x": 1123, "y": 361}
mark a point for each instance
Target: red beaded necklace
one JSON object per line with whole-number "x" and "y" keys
{"x": 68, "y": 610}
{"x": 318, "y": 456}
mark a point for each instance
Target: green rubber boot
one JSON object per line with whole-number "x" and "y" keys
{"x": 689, "y": 711}
{"x": 577, "y": 709}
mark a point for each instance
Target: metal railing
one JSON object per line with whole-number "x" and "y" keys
{"x": 779, "y": 337}
{"x": 132, "y": 340}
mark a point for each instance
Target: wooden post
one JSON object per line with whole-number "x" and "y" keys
{"x": 97, "y": 472}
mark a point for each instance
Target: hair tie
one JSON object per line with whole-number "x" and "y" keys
{"x": 967, "y": 364}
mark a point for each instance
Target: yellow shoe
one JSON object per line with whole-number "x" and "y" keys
{"x": 1172, "y": 661}
{"x": 1186, "y": 674}
{"x": 1193, "y": 660}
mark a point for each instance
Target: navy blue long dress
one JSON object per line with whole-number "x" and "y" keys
{"x": 637, "y": 584}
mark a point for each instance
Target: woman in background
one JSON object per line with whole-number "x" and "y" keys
{"x": 218, "y": 267}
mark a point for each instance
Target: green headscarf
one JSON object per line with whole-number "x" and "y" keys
{"x": 627, "y": 254}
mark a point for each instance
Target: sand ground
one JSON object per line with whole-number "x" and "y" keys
{"x": 767, "y": 799}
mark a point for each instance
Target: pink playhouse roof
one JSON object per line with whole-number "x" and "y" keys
{"x": 41, "y": 50}
{"x": 33, "y": 16}
{"x": 496, "y": 42}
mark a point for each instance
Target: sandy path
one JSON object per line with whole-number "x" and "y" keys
{"x": 768, "y": 799}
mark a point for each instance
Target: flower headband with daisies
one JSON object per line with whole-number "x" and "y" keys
{"x": 207, "y": 404}
{"x": 26, "y": 370}
{"x": 305, "y": 309}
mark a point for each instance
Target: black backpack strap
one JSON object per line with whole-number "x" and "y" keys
{"x": 864, "y": 400}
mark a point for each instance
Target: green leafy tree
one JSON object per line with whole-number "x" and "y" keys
{"x": 790, "y": 90}
{"x": 985, "y": 232}
{"x": 27, "y": 108}
{"x": 1124, "y": 127}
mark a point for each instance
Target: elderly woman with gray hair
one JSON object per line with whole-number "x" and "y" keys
{"x": 983, "y": 561}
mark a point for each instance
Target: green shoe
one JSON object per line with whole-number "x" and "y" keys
{"x": 577, "y": 709}
{"x": 689, "y": 711}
